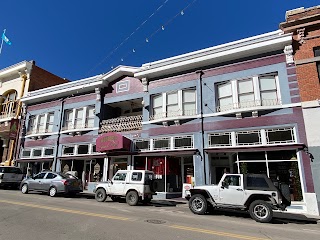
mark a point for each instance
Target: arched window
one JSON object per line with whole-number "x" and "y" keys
{"x": 9, "y": 104}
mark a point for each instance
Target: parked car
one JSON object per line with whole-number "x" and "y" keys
{"x": 133, "y": 185}
{"x": 254, "y": 193}
{"x": 10, "y": 176}
{"x": 52, "y": 183}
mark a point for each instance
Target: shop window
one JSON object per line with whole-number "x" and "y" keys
{"x": 220, "y": 139}
{"x": 136, "y": 176}
{"x": 26, "y": 153}
{"x": 282, "y": 155}
{"x": 250, "y": 156}
{"x": 36, "y": 152}
{"x": 139, "y": 163}
{"x": 183, "y": 142}
{"x": 141, "y": 144}
{"x": 248, "y": 138}
{"x": 161, "y": 143}
{"x": 83, "y": 149}
{"x": 280, "y": 135}
{"x": 68, "y": 150}
{"x": 253, "y": 167}
{"x": 48, "y": 152}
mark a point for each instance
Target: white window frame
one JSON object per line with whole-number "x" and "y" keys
{"x": 44, "y": 150}
{"x": 256, "y": 92}
{"x": 36, "y": 126}
{"x": 162, "y": 148}
{"x": 142, "y": 140}
{"x": 181, "y": 137}
{"x": 292, "y": 130}
{"x": 220, "y": 134}
{"x": 84, "y": 119}
{"x": 180, "y": 112}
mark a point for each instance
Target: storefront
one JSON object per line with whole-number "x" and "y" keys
{"x": 31, "y": 167}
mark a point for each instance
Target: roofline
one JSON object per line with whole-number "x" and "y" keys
{"x": 14, "y": 67}
{"x": 119, "y": 71}
{"x": 224, "y": 52}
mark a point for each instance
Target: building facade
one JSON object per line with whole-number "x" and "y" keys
{"x": 304, "y": 24}
{"x": 15, "y": 82}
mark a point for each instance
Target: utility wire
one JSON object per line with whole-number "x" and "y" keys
{"x": 127, "y": 38}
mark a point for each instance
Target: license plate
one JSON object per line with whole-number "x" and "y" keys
{"x": 75, "y": 184}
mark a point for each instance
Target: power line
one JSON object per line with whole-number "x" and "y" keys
{"x": 127, "y": 38}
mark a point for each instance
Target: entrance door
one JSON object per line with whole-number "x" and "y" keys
{"x": 232, "y": 193}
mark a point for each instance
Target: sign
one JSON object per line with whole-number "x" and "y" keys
{"x": 112, "y": 141}
{"x": 14, "y": 124}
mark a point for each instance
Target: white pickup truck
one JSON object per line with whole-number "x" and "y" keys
{"x": 134, "y": 185}
{"x": 255, "y": 193}
{"x": 10, "y": 176}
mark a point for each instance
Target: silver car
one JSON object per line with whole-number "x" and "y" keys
{"x": 52, "y": 183}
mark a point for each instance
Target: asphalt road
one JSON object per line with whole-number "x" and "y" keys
{"x": 38, "y": 216}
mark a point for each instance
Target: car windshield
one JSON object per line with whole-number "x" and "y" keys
{"x": 67, "y": 176}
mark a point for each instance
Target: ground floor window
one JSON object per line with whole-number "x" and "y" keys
{"x": 33, "y": 168}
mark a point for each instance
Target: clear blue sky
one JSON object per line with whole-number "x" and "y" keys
{"x": 73, "y": 38}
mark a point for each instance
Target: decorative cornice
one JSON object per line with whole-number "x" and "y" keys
{"x": 288, "y": 51}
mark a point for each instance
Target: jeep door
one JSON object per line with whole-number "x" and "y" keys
{"x": 231, "y": 190}
{"x": 119, "y": 183}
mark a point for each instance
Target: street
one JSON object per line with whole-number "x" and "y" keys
{"x": 38, "y": 216}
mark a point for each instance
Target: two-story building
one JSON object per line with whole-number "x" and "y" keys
{"x": 15, "y": 82}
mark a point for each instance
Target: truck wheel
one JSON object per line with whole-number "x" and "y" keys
{"x": 132, "y": 198}
{"x": 198, "y": 204}
{"x": 100, "y": 195}
{"x": 261, "y": 211}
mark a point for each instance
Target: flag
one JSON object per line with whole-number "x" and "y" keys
{"x": 5, "y": 39}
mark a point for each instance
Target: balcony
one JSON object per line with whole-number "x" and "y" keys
{"x": 250, "y": 104}
{"x": 8, "y": 109}
{"x": 122, "y": 124}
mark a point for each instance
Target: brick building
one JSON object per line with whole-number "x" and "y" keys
{"x": 15, "y": 82}
{"x": 304, "y": 24}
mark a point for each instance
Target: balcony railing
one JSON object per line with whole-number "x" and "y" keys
{"x": 122, "y": 124}
{"x": 39, "y": 131}
{"x": 173, "y": 114}
{"x": 249, "y": 104}
{"x": 77, "y": 126}
{"x": 8, "y": 109}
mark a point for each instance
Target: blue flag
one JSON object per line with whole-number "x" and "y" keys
{"x": 5, "y": 39}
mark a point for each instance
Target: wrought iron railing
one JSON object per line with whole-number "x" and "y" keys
{"x": 122, "y": 124}
{"x": 249, "y": 104}
{"x": 8, "y": 109}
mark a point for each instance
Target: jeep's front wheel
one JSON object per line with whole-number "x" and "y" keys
{"x": 198, "y": 204}
{"x": 132, "y": 198}
{"x": 101, "y": 195}
{"x": 261, "y": 211}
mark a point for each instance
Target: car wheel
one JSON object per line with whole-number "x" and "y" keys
{"x": 24, "y": 188}
{"x": 52, "y": 192}
{"x": 101, "y": 195}
{"x": 261, "y": 211}
{"x": 198, "y": 204}
{"x": 132, "y": 198}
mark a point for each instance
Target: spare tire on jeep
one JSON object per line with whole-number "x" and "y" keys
{"x": 154, "y": 185}
{"x": 285, "y": 191}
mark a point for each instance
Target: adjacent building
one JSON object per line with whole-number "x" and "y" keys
{"x": 15, "y": 82}
{"x": 304, "y": 24}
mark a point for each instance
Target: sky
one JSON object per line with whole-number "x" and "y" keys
{"x": 75, "y": 39}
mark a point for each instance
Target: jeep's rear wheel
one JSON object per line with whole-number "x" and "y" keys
{"x": 261, "y": 211}
{"x": 132, "y": 198}
{"x": 101, "y": 195}
{"x": 198, "y": 204}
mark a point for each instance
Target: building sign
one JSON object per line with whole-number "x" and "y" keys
{"x": 112, "y": 141}
{"x": 14, "y": 124}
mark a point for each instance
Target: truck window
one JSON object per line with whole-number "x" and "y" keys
{"x": 120, "y": 177}
{"x": 136, "y": 176}
{"x": 257, "y": 182}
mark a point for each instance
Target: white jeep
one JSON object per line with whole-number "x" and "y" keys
{"x": 251, "y": 192}
{"x": 133, "y": 185}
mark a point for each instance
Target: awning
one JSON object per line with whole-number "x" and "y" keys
{"x": 112, "y": 141}
{"x": 296, "y": 146}
{"x": 181, "y": 152}
{"x": 34, "y": 160}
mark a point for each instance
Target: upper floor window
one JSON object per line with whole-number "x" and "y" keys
{"x": 79, "y": 118}
{"x": 41, "y": 123}
{"x": 8, "y": 105}
{"x": 316, "y": 52}
{"x": 250, "y": 92}
{"x": 172, "y": 104}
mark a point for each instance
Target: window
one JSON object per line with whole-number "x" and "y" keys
{"x": 136, "y": 176}
{"x": 120, "y": 177}
{"x": 68, "y": 150}
{"x": 78, "y": 118}
{"x": 142, "y": 144}
{"x": 39, "y": 176}
{"x": 48, "y": 152}
{"x": 248, "y": 138}
{"x": 232, "y": 180}
{"x": 32, "y": 124}
{"x": 183, "y": 142}
{"x": 26, "y": 153}
{"x": 49, "y": 124}
{"x": 250, "y": 92}
{"x": 316, "y": 52}
{"x": 68, "y": 119}
{"x": 172, "y": 104}
{"x": 51, "y": 176}
{"x": 90, "y": 116}
{"x": 280, "y": 135}
{"x": 36, "y": 152}
{"x": 41, "y": 123}
{"x": 161, "y": 143}
{"x": 83, "y": 149}
{"x": 220, "y": 139}
{"x": 9, "y": 105}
